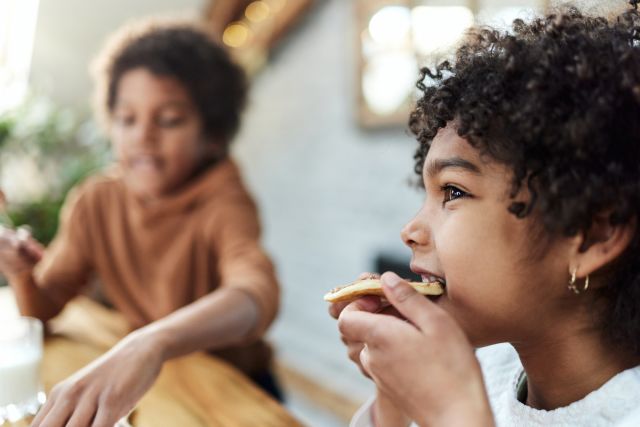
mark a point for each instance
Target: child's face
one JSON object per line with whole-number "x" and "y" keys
{"x": 157, "y": 133}
{"x": 495, "y": 288}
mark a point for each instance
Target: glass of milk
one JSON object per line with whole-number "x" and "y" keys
{"x": 21, "y": 393}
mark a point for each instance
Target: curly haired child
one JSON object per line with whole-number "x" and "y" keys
{"x": 170, "y": 230}
{"x": 529, "y": 151}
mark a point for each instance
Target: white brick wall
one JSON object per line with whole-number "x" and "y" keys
{"x": 331, "y": 195}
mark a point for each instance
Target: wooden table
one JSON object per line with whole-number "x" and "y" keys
{"x": 194, "y": 390}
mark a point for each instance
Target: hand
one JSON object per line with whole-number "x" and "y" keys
{"x": 425, "y": 364}
{"x": 368, "y": 303}
{"x": 106, "y": 389}
{"x": 19, "y": 252}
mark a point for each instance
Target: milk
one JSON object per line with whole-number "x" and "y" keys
{"x": 19, "y": 374}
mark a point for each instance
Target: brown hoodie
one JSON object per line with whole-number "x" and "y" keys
{"x": 154, "y": 259}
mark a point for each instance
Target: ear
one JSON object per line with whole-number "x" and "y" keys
{"x": 601, "y": 245}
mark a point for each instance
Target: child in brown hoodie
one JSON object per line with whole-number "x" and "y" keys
{"x": 170, "y": 230}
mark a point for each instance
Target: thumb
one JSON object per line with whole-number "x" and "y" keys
{"x": 31, "y": 247}
{"x": 414, "y": 306}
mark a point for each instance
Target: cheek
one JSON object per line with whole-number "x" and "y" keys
{"x": 183, "y": 151}
{"x": 119, "y": 149}
{"x": 120, "y": 144}
{"x": 479, "y": 252}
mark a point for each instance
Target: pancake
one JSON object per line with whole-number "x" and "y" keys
{"x": 364, "y": 287}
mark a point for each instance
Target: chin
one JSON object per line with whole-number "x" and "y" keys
{"x": 146, "y": 191}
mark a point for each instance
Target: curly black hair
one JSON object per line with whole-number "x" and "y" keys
{"x": 556, "y": 99}
{"x": 183, "y": 51}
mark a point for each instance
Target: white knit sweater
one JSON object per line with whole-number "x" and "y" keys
{"x": 616, "y": 403}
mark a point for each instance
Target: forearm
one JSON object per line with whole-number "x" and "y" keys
{"x": 470, "y": 408}
{"x": 386, "y": 414}
{"x": 465, "y": 413}
{"x": 32, "y": 300}
{"x": 221, "y": 319}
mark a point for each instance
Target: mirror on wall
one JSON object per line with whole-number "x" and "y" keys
{"x": 396, "y": 37}
{"x": 17, "y": 32}
{"x": 250, "y": 29}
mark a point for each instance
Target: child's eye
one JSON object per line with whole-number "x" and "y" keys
{"x": 451, "y": 193}
{"x": 124, "y": 120}
{"x": 170, "y": 121}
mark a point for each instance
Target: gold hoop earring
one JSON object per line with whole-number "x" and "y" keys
{"x": 572, "y": 283}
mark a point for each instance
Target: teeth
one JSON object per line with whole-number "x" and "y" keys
{"x": 430, "y": 279}
{"x": 145, "y": 162}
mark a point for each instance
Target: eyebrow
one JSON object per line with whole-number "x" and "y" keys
{"x": 438, "y": 165}
{"x": 168, "y": 104}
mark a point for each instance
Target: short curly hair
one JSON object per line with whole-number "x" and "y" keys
{"x": 556, "y": 99}
{"x": 185, "y": 52}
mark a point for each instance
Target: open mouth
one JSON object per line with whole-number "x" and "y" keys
{"x": 145, "y": 163}
{"x": 430, "y": 278}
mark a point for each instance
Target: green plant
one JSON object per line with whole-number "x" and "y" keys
{"x": 59, "y": 147}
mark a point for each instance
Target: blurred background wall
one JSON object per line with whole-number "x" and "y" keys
{"x": 333, "y": 196}
{"x": 70, "y": 32}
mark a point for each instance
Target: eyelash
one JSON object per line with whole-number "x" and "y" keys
{"x": 167, "y": 123}
{"x": 447, "y": 191}
{"x": 171, "y": 122}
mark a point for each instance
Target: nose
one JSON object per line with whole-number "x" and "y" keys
{"x": 416, "y": 232}
{"x": 144, "y": 134}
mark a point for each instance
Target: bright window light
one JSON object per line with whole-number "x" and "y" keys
{"x": 436, "y": 29}
{"x": 17, "y": 32}
{"x": 388, "y": 80}
{"x": 390, "y": 26}
{"x": 502, "y": 18}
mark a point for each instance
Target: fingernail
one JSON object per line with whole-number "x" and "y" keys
{"x": 391, "y": 279}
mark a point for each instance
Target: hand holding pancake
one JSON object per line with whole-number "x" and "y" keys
{"x": 365, "y": 303}
{"x": 425, "y": 362}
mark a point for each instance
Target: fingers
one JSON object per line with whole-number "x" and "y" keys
{"x": 21, "y": 242}
{"x": 44, "y": 410}
{"x": 33, "y": 250}
{"x": 366, "y": 303}
{"x": 372, "y": 329}
{"x": 412, "y": 305}
{"x": 23, "y": 233}
{"x": 54, "y": 413}
{"x": 356, "y": 325}
{"x": 28, "y": 245}
{"x": 336, "y": 308}
{"x": 9, "y": 237}
{"x": 365, "y": 361}
{"x": 353, "y": 351}
{"x": 83, "y": 413}
{"x": 6, "y": 236}
{"x": 105, "y": 417}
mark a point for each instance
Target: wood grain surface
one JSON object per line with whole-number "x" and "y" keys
{"x": 194, "y": 390}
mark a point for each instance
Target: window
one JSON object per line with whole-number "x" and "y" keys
{"x": 17, "y": 31}
{"x": 396, "y": 38}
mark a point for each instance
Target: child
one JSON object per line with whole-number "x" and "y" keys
{"x": 171, "y": 231}
{"x": 530, "y": 157}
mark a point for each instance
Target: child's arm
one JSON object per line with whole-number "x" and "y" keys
{"x": 107, "y": 389}
{"x": 43, "y": 282}
{"x": 384, "y": 413}
{"x": 237, "y": 312}
{"x": 19, "y": 253}
{"x": 244, "y": 304}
